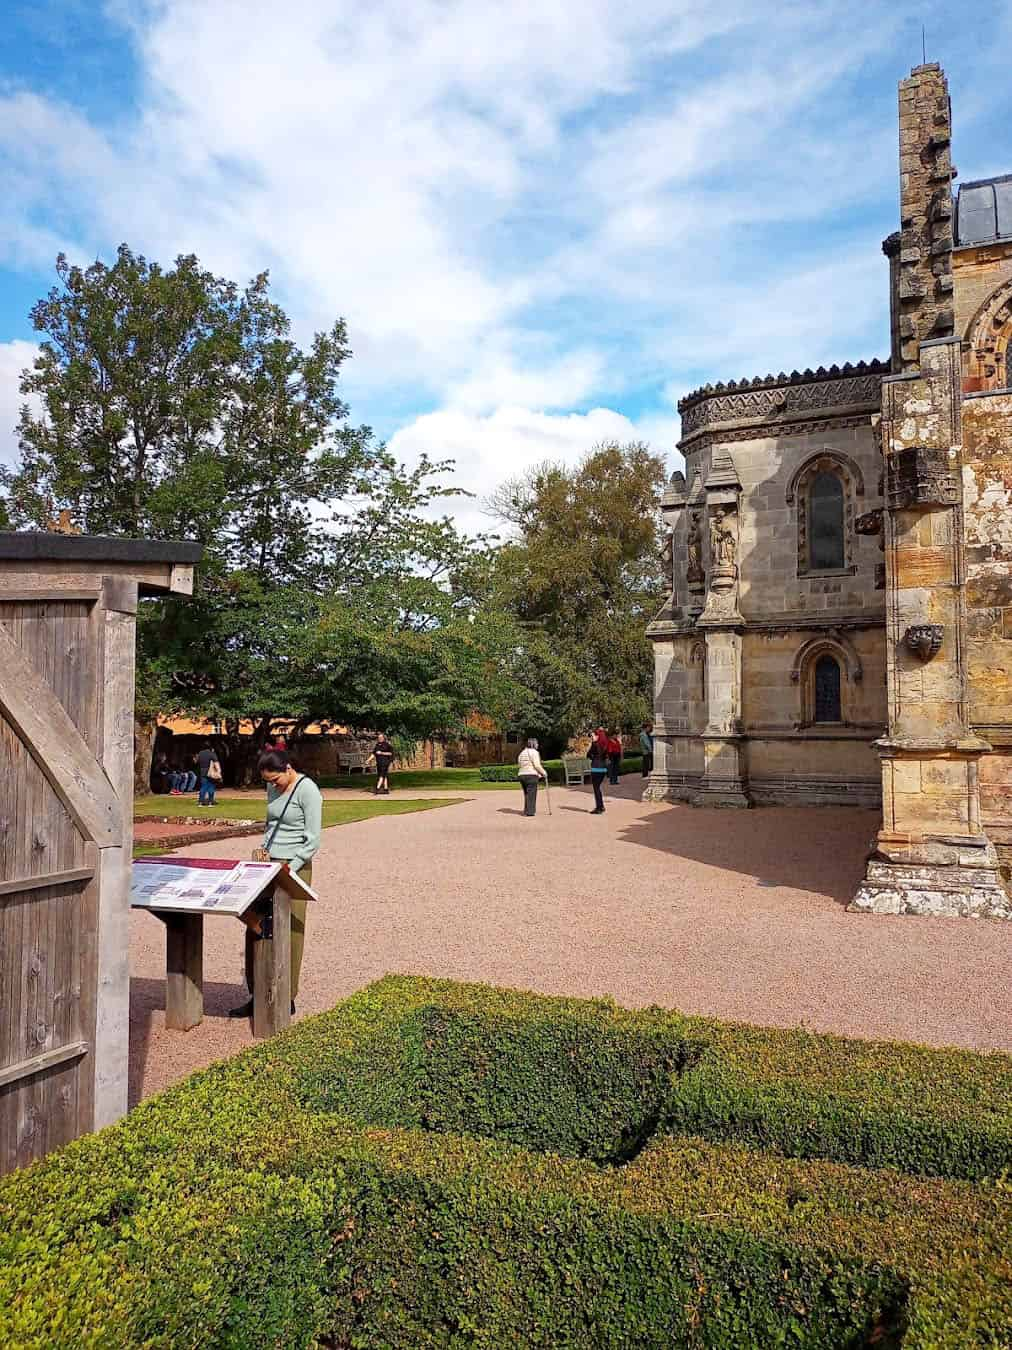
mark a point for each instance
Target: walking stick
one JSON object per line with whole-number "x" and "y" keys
{"x": 548, "y": 795}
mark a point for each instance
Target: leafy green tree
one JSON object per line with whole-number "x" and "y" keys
{"x": 176, "y": 405}
{"x": 583, "y": 577}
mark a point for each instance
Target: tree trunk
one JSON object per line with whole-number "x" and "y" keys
{"x": 144, "y": 748}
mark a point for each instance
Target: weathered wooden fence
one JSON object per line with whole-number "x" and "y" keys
{"x": 67, "y": 625}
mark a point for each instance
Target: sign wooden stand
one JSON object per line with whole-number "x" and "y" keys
{"x": 181, "y": 891}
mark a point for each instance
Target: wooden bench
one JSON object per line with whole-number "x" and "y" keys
{"x": 350, "y": 760}
{"x": 575, "y": 768}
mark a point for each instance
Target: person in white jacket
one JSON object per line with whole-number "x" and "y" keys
{"x": 530, "y": 769}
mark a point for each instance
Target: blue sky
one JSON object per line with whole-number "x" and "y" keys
{"x": 543, "y": 222}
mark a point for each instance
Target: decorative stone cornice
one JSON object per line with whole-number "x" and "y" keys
{"x": 772, "y": 397}
{"x": 721, "y": 435}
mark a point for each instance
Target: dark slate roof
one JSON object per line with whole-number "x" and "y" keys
{"x": 45, "y": 545}
{"x": 984, "y": 211}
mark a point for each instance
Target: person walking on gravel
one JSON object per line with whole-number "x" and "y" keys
{"x": 598, "y": 756}
{"x": 291, "y": 836}
{"x": 383, "y": 754}
{"x": 209, "y": 768}
{"x": 530, "y": 771}
{"x": 614, "y": 757}
{"x": 647, "y": 747}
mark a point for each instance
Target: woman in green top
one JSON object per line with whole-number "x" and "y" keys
{"x": 291, "y": 836}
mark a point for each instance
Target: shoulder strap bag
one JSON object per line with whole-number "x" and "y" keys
{"x": 263, "y": 854}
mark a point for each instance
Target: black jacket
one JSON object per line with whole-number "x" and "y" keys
{"x": 598, "y": 756}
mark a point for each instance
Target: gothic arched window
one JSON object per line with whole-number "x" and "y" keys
{"x": 826, "y": 678}
{"x": 822, "y": 492}
{"x": 827, "y": 548}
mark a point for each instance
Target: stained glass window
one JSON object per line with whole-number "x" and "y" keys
{"x": 825, "y": 523}
{"x": 827, "y": 690}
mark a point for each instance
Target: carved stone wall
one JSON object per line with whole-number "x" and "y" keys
{"x": 925, "y": 273}
{"x": 777, "y": 401}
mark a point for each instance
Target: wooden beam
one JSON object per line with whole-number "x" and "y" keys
{"x": 181, "y": 580}
{"x": 184, "y": 970}
{"x": 47, "y": 590}
{"x": 272, "y": 973}
{"x": 40, "y": 719}
{"x": 50, "y": 879}
{"x": 114, "y": 647}
{"x": 13, "y": 1073}
{"x": 119, "y": 594}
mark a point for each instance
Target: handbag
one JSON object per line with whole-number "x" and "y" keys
{"x": 263, "y": 853}
{"x": 214, "y": 771}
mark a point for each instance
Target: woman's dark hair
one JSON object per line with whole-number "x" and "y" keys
{"x": 273, "y": 761}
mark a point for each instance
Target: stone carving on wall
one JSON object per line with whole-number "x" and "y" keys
{"x": 723, "y": 547}
{"x": 694, "y": 573}
{"x": 924, "y": 640}
{"x": 920, "y": 475}
{"x": 762, "y": 399}
{"x": 988, "y": 343}
{"x": 870, "y": 522}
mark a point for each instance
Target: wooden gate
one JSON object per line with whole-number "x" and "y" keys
{"x": 67, "y": 628}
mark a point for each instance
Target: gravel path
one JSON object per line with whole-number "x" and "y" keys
{"x": 735, "y": 914}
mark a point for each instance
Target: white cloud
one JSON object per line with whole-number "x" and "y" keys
{"x": 490, "y": 448}
{"x": 14, "y": 358}
{"x": 521, "y": 210}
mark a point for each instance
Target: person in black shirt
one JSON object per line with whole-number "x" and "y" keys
{"x": 383, "y": 754}
{"x": 205, "y": 758}
{"x": 598, "y": 756}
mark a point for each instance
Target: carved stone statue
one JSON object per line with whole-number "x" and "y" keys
{"x": 694, "y": 574}
{"x": 723, "y": 544}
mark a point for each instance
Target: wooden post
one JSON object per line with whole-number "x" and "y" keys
{"x": 272, "y": 973}
{"x": 184, "y": 970}
{"x": 115, "y": 617}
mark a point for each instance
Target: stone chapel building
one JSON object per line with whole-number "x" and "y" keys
{"x": 839, "y": 628}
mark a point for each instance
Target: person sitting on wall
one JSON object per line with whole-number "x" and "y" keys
{"x": 162, "y": 775}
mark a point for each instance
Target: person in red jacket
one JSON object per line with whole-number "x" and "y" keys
{"x": 614, "y": 757}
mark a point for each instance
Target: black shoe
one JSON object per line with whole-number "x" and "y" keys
{"x": 597, "y": 811}
{"x": 245, "y": 1011}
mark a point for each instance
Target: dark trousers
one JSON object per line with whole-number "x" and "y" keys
{"x": 529, "y": 783}
{"x": 597, "y": 780}
{"x": 613, "y": 766}
{"x": 648, "y": 763}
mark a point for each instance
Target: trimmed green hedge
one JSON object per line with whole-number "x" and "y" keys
{"x": 507, "y": 773}
{"x": 332, "y": 1186}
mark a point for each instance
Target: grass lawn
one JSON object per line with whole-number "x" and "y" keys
{"x": 254, "y": 808}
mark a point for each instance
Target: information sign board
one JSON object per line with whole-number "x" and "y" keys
{"x": 206, "y": 885}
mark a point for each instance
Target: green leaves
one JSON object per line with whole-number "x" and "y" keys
{"x": 583, "y": 576}
{"x": 175, "y": 405}
{"x": 417, "y": 1167}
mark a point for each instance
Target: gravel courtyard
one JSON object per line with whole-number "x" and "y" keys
{"x": 736, "y": 914}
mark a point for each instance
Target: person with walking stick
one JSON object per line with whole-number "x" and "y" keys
{"x": 530, "y": 771}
